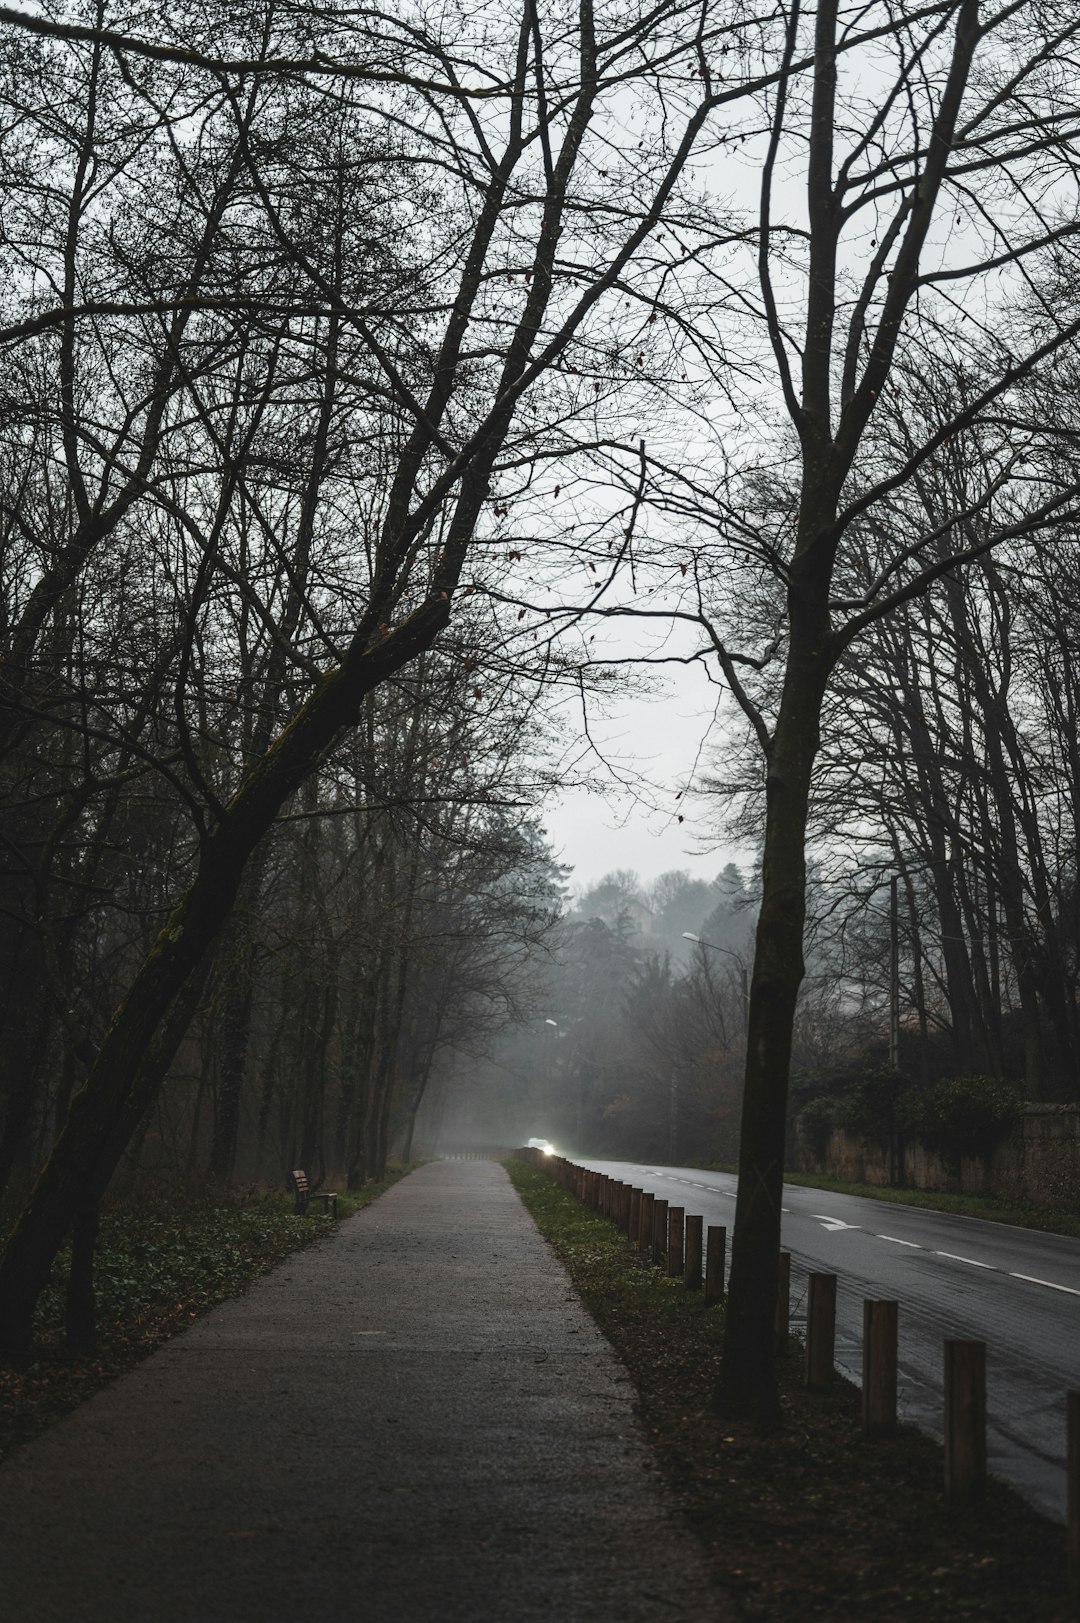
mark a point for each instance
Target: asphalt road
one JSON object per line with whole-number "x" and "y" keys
{"x": 1015, "y": 1289}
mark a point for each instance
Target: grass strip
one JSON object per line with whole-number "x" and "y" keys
{"x": 1047, "y": 1219}
{"x": 159, "y": 1265}
{"x": 812, "y": 1519}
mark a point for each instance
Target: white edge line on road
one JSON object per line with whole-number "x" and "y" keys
{"x": 952, "y": 1257}
{"x": 1029, "y": 1279}
{"x": 894, "y": 1241}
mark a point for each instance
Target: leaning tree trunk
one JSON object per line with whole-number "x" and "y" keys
{"x": 148, "y": 1025}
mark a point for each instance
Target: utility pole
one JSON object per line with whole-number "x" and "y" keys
{"x": 673, "y": 1117}
{"x": 894, "y": 973}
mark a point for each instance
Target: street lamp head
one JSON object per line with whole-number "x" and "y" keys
{"x": 688, "y": 935}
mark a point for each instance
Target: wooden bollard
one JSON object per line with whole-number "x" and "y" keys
{"x": 1072, "y": 1495}
{"x": 782, "y": 1308}
{"x": 659, "y": 1230}
{"x": 965, "y": 1422}
{"x": 715, "y": 1250}
{"x": 675, "y": 1248}
{"x": 692, "y": 1263}
{"x": 624, "y": 1207}
{"x": 635, "y": 1215}
{"x": 879, "y": 1351}
{"x": 648, "y": 1201}
{"x": 820, "y": 1331}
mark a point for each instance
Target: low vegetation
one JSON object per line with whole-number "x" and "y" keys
{"x": 159, "y": 1265}
{"x": 812, "y": 1520}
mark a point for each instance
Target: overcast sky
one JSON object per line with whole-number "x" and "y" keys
{"x": 599, "y": 830}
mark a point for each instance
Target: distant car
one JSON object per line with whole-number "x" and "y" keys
{"x": 543, "y": 1144}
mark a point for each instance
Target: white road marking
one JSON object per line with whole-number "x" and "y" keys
{"x": 833, "y": 1224}
{"x": 952, "y": 1257}
{"x": 1049, "y": 1283}
{"x": 894, "y": 1241}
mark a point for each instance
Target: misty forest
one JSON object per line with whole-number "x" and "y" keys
{"x": 385, "y": 398}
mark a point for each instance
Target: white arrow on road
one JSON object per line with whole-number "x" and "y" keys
{"x": 832, "y": 1223}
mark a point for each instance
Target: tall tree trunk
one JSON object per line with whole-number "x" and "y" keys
{"x": 324, "y": 1004}
{"x": 748, "y": 1380}
{"x": 80, "y": 1321}
{"x": 234, "y": 1030}
{"x": 235, "y": 1022}
{"x": 748, "y": 1377}
{"x": 23, "y": 997}
{"x": 419, "y": 1089}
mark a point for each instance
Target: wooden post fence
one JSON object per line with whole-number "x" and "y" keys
{"x": 1072, "y": 1494}
{"x": 675, "y": 1248}
{"x": 879, "y": 1354}
{"x": 659, "y": 1232}
{"x": 820, "y": 1331}
{"x": 645, "y": 1225}
{"x": 715, "y": 1251}
{"x": 692, "y": 1262}
{"x": 782, "y": 1311}
{"x": 965, "y": 1422}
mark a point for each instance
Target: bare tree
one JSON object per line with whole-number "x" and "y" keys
{"x": 485, "y": 163}
{"x": 968, "y": 99}
{"x": 913, "y": 168}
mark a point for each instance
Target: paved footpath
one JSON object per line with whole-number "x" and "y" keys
{"x": 413, "y": 1420}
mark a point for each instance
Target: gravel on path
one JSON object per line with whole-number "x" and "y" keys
{"x": 415, "y": 1419}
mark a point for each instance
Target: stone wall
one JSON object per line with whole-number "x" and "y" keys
{"x": 1037, "y": 1165}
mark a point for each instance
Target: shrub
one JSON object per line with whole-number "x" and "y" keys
{"x": 816, "y": 1122}
{"x": 961, "y": 1115}
{"x": 868, "y": 1109}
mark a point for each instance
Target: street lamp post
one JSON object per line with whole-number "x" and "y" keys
{"x": 688, "y": 935}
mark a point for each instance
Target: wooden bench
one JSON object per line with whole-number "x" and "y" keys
{"x": 304, "y": 1193}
